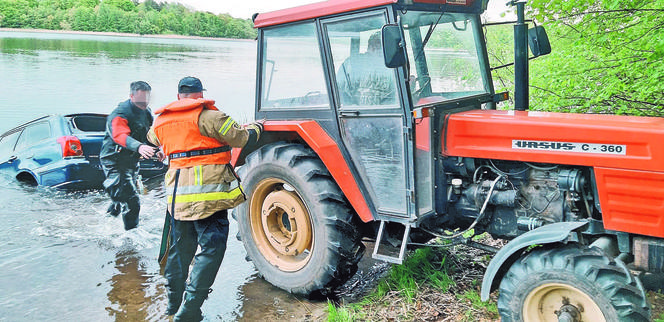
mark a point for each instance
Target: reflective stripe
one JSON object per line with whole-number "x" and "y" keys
{"x": 203, "y": 188}
{"x": 198, "y": 175}
{"x": 210, "y": 196}
{"x": 226, "y": 126}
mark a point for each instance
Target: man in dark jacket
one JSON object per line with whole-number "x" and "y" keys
{"x": 124, "y": 143}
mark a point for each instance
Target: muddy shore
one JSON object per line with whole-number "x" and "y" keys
{"x": 429, "y": 304}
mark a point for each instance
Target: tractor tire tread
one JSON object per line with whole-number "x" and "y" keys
{"x": 624, "y": 291}
{"x": 344, "y": 240}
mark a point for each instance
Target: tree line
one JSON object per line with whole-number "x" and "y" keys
{"x": 146, "y": 18}
{"x": 607, "y": 57}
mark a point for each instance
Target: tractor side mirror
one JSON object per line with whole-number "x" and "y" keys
{"x": 394, "y": 51}
{"x": 538, "y": 41}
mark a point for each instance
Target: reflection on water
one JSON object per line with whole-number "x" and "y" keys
{"x": 133, "y": 295}
{"x": 264, "y": 302}
{"x": 92, "y": 48}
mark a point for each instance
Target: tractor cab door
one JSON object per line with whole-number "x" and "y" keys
{"x": 372, "y": 119}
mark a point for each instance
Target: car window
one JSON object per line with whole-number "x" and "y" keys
{"x": 89, "y": 123}
{"x": 33, "y": 134}
{"x": 7, "y": 143}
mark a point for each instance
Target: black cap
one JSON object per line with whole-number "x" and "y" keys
{"x": 190, "y": 85}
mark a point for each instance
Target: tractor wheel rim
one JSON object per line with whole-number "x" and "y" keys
{"x": 281, "y": 225}
{"x": 546, "y": 302}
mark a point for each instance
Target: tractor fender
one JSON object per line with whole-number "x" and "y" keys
{"x": 552, "y": 233}
{"x": 327, "y": 150}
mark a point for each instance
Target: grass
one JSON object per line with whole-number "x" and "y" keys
{"x": 424, "y": 266}
{"x": 341, "y": 314}
{"x": 399, "y": 294}
{"x": 474, "y": 297}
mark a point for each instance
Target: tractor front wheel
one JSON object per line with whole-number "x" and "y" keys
{"x": 571, "y": 283}
{"x": 296, "y": 225}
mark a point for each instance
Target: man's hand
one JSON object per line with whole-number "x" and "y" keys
{"x": 160, "y": 155}
{"x": 146, "y": 151}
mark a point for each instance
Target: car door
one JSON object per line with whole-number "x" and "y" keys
{"x": 36, "y": 150}
{"x": 8, "y": 158}
{"x": 371, "y": 115}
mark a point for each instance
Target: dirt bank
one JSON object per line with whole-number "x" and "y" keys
{"x": 429, "y": 304}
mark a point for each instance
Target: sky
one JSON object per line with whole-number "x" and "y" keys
{"x": 246, "y": 8}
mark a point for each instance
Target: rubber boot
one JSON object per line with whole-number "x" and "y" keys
{"x": 114, "y": 209}
{"x": 174, "y": 301}
{"x": 190, "y": 310}
{"x": 130, "y": 217}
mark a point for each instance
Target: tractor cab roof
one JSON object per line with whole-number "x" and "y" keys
{"x": 333, "y": 7}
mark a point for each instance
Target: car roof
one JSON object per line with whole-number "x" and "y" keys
{"x": 86, "y": 114}
{"x": 20, "y": 127}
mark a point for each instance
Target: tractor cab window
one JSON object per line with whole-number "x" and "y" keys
{"x": 292, "y": 68}
{"x": 361, "y": 76}
{"x": 444, "y": 55}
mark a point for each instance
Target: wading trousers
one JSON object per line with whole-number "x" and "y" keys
{"x": 211, "y": 235}
{"x": 120, "y": 184}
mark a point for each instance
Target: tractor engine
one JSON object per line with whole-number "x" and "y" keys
{"x": 507, "y": 199}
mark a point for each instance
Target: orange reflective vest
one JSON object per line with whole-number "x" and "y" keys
{"x": 177, "y": 130}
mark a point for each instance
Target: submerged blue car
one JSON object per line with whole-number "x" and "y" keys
{"x": 61, "y": 151}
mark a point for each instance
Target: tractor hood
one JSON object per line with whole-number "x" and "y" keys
{"x": 620, "y": 142}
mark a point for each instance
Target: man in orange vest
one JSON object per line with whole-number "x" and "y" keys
{"x": 201, "y": 186}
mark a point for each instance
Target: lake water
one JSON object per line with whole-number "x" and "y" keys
{"x": 46, "y": 73}
{"x": 62, "y": 258}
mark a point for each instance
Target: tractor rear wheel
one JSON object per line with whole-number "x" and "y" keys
{"x": 571, "y": 284}
{"x": 296, "y": 225}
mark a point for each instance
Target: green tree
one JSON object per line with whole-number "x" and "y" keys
{"x": 606, "y": 57}
{"x": 153, "y": 4}
{"x": 126, "y": 5}
{"x": 148, "y": 17}
{"x": 83, "y": 18}
{"x": 12, "y": 14}
{"x": 86, "y": 3}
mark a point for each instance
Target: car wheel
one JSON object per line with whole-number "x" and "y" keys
{"x": 27, "y": 179}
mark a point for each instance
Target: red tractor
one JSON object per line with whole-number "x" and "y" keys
{"x": 381, "y": 121}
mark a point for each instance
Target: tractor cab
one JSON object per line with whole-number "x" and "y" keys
{"x": 329, "y": 61}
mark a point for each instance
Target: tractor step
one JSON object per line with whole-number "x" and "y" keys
{"x": 402, "y": 249}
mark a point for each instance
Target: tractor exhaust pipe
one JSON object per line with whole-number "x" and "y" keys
{"x": 520, "y": 58}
